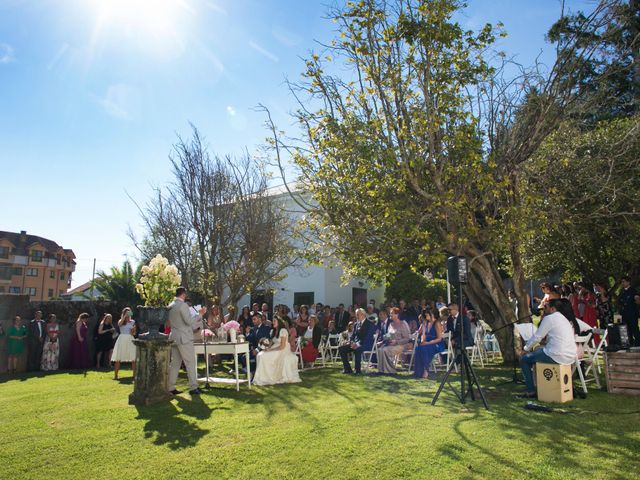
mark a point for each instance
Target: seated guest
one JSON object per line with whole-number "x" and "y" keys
{"x": 342, "y": 318}
{"x": 302, "y": 321}
{"x": 244, "y": 319}
{"x": 327, "y": 317}
{"x": 293, "y": 336}
{"x": 331, "y": 329}
{"x": 429, "y": 344}
{"x": 383, "y": 324}
{"x": 361, "y": 341}
{"x": 558, "y": 328}
{"x": 454, "y": 325}
{"x": 257, "y": 333}
{"x": 400, "y": 338}
{"x": 313, "y": 336}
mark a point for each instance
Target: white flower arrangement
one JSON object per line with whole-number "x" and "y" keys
{"x": 158, "y": 283}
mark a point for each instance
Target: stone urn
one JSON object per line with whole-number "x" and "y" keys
{"x": 153, "y": 353}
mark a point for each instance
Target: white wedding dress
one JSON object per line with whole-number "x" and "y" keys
{"x": 277, "y": 366}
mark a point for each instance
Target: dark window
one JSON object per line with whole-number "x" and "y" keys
{"x": 359, "y": 297}
{"x": 303, "y": 298}
{"x": 14, "y": 289}
{"x": 37, "y": 255}
{"x": 32, "y": 272}
{"x": 4, "y": 252}
{"x": 61, "y": 275}
{"x": 50, "y": 292}
{"x": 52, "y": 274}
{"x": 61, "y": 292}
{"x": 5, "y": 272}
{"x": 1, "y": 289}
{"x": 17, "y": 270}
{"x": 30, "y": 291}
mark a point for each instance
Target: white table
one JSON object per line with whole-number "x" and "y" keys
{"x": 234, "y": 349}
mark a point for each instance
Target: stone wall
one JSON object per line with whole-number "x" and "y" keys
{"x": 66, "y": 312}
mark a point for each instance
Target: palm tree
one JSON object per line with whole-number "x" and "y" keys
{"x": 120, "y": 285}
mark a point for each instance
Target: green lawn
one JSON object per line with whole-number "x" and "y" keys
{"x": 76, "y": 426}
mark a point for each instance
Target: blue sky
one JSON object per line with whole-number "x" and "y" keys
{"x": 93, "y": 92}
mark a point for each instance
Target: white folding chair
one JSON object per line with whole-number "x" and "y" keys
{"x": 367, "y": 356}
{"x": 412, "y": 353}
{"x": 477, "y": 350}
{"x": 450, "y": 354}
{"x": 583, "y": 341}
{"x": 322, "y": 350}
{"x": 299, "y": 352}
{"x": 333, "y": 344}
{"x": 597, "y": 350}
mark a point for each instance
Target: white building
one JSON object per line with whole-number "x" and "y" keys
{"x": 313, "y": 284}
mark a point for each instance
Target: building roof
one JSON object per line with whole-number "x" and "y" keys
{"x": 22, "y": 241}
{"x": 80, "y": 289}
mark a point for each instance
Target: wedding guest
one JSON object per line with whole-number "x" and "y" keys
{"x": 79, "y": 348}
{"x": 244, "y": 319}
{"x": 399, "y": 341}
{"x": 257, "y": 333}
{"x": 313, "y": 336}
{"x": 302, "y": 322}
{"x": 342, "y": 318}
{"x": 35, "y": 341}
{"x": 16, "y": 336}
{"x": 550, "y": 293}
{"x": 603, "y": 304}
{"x": 266, "y": 313}
{"x": 124, "y": 349}
{"x": 587, "y": 308}
{"x": 361, "y": 341}
{"x": 104, "y": 344}
{"x": 51, "y": 349}
{"x": 430, "y": 344}
{"x": 331, "y": 329}
{"x": 294, "y": 311}
{"x": 293, "y": 336}
{"x": 455, "y": 325}
{"x": 383, "y": 324}
{"x": 326, "y": 318}
{"x": 628, "y": 302}
{"x": 277, "y": 364}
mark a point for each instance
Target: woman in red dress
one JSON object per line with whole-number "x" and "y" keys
{"x": 313, "y": 336}
{"x": 588, "y": 308}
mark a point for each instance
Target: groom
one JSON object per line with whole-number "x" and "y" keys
{"x": 182, "y": 350}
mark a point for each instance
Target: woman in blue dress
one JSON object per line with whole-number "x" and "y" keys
{"x": 429, "y": 346}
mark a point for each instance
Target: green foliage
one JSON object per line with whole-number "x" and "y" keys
{"x": 119, "y": 285}
{"x": 410, "y": 285}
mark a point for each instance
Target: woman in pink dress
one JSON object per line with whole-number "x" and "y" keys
{"x": 79, "y": 349}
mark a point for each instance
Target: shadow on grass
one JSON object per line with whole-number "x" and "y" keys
{"x": 166, "y": 426}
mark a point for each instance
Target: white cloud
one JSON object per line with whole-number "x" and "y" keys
{"x": 285, "y": 37}
{"x": 263, "y": 51}
{"x": 117, "y": 101}
{"x": 231, "y": 111}
{"x": 7, "y": 53}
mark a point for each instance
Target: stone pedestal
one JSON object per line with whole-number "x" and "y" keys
{"x": 152, "y": 371}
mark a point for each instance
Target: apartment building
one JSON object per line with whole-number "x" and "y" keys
{"x": 34, "y": 266}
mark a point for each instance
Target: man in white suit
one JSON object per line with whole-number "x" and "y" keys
{"x": 181, "y": 321}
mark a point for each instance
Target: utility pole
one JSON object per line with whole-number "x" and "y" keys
{"x": 93, "y": 277}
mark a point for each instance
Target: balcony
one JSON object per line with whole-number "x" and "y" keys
{"x": 20, "y": 260}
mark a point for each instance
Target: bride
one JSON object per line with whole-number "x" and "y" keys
{"x": 277, "y": 364}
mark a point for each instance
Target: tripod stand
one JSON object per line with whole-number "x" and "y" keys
{"x": 207, "y": 386}
{"x": 462, "y": 359}
{"x": 514, "y": 379}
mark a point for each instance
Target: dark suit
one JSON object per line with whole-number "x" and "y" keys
{"x": 455, "y": 335}
{"x": 255, "y": 335}
{"x": 629, "y": 311}
{"x": 36, "y": 334}
{"x": 362, "y": 334}
{"x": 342, "y": 320}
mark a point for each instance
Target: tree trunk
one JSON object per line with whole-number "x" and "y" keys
{"x": 486, "y": 290}
{"x": 520, "y": 285}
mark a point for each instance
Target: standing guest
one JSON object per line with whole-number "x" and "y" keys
{"x": 558, "y": 328}
{"x": 294, "y": 311}
{"x": 361, "y": 341}
{"x": 342, "y": 318}
{"x": 124, "y": 349}
{"x": 313, "y": 335}
{"x": 455, "y": 324}
{"x": 587, "y": 307}
{"x": 16, "y": 336}
{"x": 35, "y": 342}
{"x": 628, "y": 301}
{"x": 104, "y": 344}
{"x": 182, "y": 350}
{"x": 79, "y": 348}
{"x": 430, "y": 344}
{"x": 51, "y": 349}
{"x": 266, "y": 313}
{"x": 603, "y": 304}
{"x": 400, "y": 338}
{"x": 302, "y": 322}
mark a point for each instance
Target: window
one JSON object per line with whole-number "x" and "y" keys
{"x": 303, "y": 298}
{"x": 61, "y": 275}
{"x": 58, "y": 259}
{"x": 37, "y": 255}
{"x": 50, "y": 292}
{"x": 52, "y": 274}
{"x": 5, "y": 272}
{"x": 14, "y": 289}
{"x": 17, "y": 271}
{"x": 32, "y": 272}
{"x": 30, "y": 291}
{"x": 4, "y": 252}
{"x": 1, "y": 289}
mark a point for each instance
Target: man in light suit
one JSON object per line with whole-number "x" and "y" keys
{"x": 181, "y": 321}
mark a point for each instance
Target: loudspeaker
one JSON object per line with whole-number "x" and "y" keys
{"x": 617, "y": 337}
{"x": 457, "y": 269}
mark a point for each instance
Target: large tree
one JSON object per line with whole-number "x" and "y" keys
{"x": 417, "y": 151}
{"x": 219, "y": 223}
{"x": 119, "y": 285}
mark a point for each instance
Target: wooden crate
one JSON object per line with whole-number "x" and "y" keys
{"x": 622, "y": 370}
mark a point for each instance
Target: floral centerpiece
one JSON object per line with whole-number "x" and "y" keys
{"x": 157, "y": 287}
{"x": 232, "y": 328}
